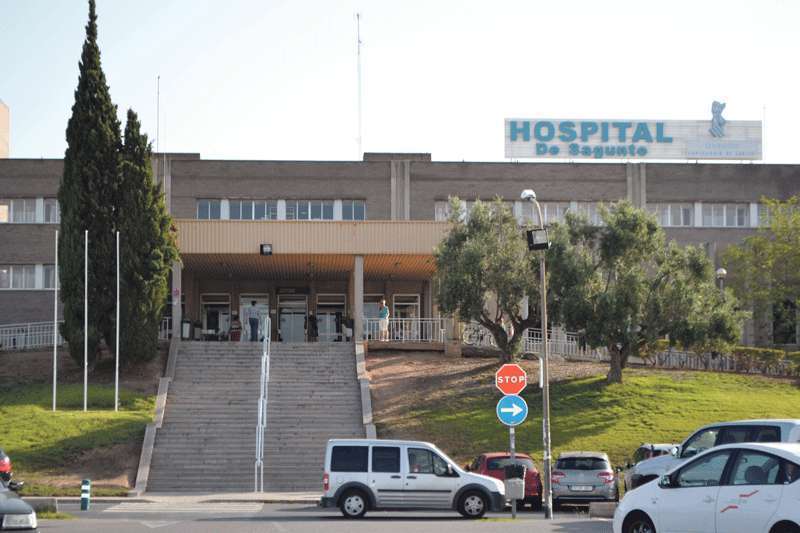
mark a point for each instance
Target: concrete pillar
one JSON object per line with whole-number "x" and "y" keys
{"x": 177, "y": 294}
{"x": 427, "y": 296}
{"x": 358, "y": 297}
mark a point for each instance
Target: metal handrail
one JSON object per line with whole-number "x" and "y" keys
{"x": 27, "y": 335}
{"x": 410, "y": 329}
{"x": 261, "y": 426}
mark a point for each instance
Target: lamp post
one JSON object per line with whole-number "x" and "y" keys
{"x": 538, "y": 240}
{"x": 721, "y": 275}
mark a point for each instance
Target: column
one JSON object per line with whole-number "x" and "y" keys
{"x": 177, "y": 294}
{"x": 358, "y": 297}
{"x": 427, "y": 295}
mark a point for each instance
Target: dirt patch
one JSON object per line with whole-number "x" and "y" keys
{"x": 401, "y": 382}
{"x": 19, "y": 368}
{"x": 113, "y": 466}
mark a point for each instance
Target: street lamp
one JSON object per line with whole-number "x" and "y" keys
{"x": 721, "y": 275}
{"x": 538, "y": 240}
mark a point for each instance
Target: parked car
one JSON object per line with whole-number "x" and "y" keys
{"x": 583, "y": 477}
{"x": 714, "y": 435}
{"x": 367, "y": 474}
{"x": 643, "y": 453}
{"x": 733, "y": 488}
{"x": 15, "y": 514}
{"x": 493, "y": 464}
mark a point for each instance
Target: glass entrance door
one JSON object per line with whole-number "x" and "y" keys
{"x": 292, "y": 317}
{"x": 330, "y": 313}
{"x": 246, "y": 312}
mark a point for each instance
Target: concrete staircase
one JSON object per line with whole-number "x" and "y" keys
{"x": 207, "y": 441}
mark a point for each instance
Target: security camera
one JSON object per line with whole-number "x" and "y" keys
{"x": 528, "y": 195}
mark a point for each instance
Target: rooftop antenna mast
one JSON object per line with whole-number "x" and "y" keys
{"x": 358, "y": 39}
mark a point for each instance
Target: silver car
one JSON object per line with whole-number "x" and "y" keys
{"x": 583, "y": 477}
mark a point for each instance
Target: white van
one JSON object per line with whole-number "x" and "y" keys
{"x": 714, "y": 435}
{"x": 367, "y": 474}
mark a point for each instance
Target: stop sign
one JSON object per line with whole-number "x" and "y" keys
{"x": 511, "y": 379}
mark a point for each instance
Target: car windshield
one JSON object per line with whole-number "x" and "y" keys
{"x": 582, "y": 463}
{"x": 499, "y": 463}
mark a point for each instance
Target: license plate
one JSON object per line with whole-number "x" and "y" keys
{"x": 581, "y": 488}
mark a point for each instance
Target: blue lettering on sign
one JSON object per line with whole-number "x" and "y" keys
{"x": 642, "y": 133}
{"x": 660, "y": 137}
{"x": 587, "y": 130}
{"x": 632, "y": 137}
{"x": 525, "y": 129}
{"x": 567, "y": 129}
{"x": 545, "y": 124}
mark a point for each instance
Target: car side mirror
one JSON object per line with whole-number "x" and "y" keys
{"x": 665, "y": 482}
{"x": 674, "y": 451}
{"x": 16, "y": 486}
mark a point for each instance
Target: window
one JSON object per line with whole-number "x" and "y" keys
{"x": 673, "y": 215}
{"x": 23, "y": 277}
{"x": 321, "y": 209}
{"x": 385, "y": 459}
{"x": 726, "y": 215}
{"x": 52, "y": 213}
{"x": 208, "y": 209}
{"x": 767, "y": 434}
{"x": 755, "y": 468}
{"x": 23, "y": 210}
{"x": 554, "y": 212}
{"x": 704, "y": 472}
{"x": 266, "y": 210}
{"x": 5, "y": 277}
{"x": 349, "y": 458}
{"x": 354, "y": 210}
{"x": 5, "y": 211}
{"x": 591, "y": 211}
{"x": 700, "y": 442}
{"x": 241, "y": 209}
{"x": 421, "y": 461}
{"x": 49, "y": 276}
{"x": 499, "y": 463}
{"x": 297, "y": 209}
{"x": 582, "y": 463}
{"x": 441, "y": 211}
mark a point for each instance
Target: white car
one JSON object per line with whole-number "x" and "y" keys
{"x": 734, "y": 488}
{"x": 366, "y": 474}
{"x": 709, "y": 436}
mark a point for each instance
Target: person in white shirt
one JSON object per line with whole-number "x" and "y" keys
{"x": 252, "y": 320}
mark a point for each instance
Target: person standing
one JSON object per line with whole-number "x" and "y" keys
{"x": 252, "y": 320}
{"x": 383, "y": 322}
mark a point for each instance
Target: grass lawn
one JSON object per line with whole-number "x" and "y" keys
{"x": 42, "y": 443}
{"x": 587, "y": 414}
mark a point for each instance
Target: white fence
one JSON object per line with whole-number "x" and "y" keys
{"x": 559, "y": 342}
{"x": 409, "y": 329}
{"x": 27, "y": 336}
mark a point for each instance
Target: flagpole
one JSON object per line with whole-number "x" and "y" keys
{"x": 55, "y": 325}
{"x": 116, "y": 367}
{"x": 85, "y": 318}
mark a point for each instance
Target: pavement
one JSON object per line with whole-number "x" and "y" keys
{"x": 184, "y": 514}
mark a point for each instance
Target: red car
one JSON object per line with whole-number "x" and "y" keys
{"x": 493, "y": 464}
{"x": 5, "y": 467}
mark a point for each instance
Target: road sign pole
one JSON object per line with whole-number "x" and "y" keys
{"x": 512, "y": 448}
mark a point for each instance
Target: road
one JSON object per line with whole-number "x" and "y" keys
{"x": 291, "y": 518}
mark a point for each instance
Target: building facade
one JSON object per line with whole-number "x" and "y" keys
{"x": 344, "y": 235}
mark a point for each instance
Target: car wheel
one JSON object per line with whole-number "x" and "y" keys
{"x": 638, "y": 523}
{"x": 473, "y": 504}
{"x": 785, "y": 528}
{"x": 353, "y": 504}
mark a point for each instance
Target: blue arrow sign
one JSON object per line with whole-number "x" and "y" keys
{"x": 512, "y": 410}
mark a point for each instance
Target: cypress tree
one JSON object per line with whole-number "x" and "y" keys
{"x": 148, "y": 247}
{"x": 88, "y": 195}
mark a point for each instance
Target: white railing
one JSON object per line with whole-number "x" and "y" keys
{"x": 165, "y": 328}
{"x": 559, "y": 342}
{"x": 409, "y": 329}
{"x": 27, "y": 336}
{"x": 261, "y": 426}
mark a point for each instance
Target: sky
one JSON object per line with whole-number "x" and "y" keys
{"x": 268, "y": 79}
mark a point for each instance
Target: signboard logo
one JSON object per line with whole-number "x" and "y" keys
{"x": 717, "y": 122}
